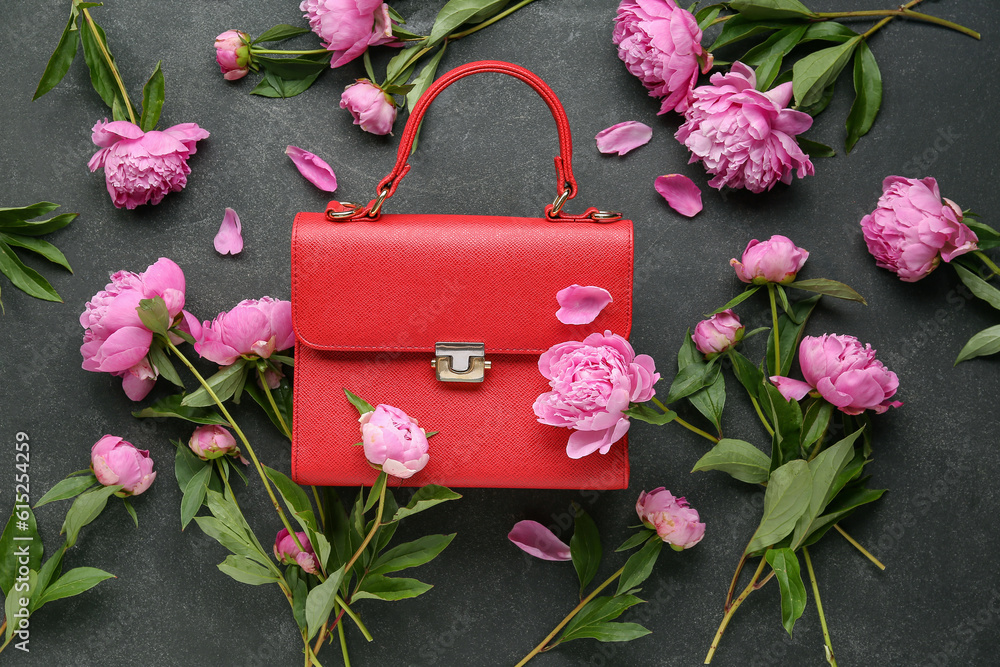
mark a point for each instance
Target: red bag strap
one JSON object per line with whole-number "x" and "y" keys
{"x": 565, "y": 185}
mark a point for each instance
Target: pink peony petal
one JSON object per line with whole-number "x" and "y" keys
{"x": 681, "y": 193}
{"x": 314, "y": 169}
{"x": 623, "y": 137}
{"x": 229, "y": 240}
{"x": 537, "y": 540}
{"x": 792, "y": 390}
{"x": 581, "y": 304}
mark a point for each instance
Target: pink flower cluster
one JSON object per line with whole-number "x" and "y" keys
{"x": 394, "y": 442}
{"x": 232, "y": 53}
{"x": 776, "y": 260}
{"x": 593, "y": 383}
{"x": 288, "y": 552}
{"x": 674, "y": 521}
{"x": 348, "y": 27}
{"x": 718, "y": 333}
{"x": 115, "y": 461}
{"x": 371, "y": 108}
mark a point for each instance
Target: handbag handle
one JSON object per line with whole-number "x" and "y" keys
{"x": 566, "y": 183}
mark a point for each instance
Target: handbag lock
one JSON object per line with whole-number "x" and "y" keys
{"x": 460, "y": 362}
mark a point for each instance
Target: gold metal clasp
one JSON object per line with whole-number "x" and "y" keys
{"x": 460, "y": 362}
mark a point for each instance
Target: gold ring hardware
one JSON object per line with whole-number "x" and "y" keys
{"x": 351, "y": 209}
{"x": 606, "y": 215}
{"x": 558, "y": 202}
{"x": 378, "y": 203}
{"x": 460, "y": 362}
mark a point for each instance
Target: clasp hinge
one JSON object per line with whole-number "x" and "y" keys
{"x": 460, "y": 362}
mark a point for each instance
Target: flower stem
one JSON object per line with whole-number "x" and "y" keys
{"x": 507, "y": 12}
{"x": 690, "y": 427}
{"x": 902, "y": 11}
{"x": 111, "y": 64}
{"x": 542, "y": 646}
{"x": 274, "y": 406}
{"x": 732, "y": 584}
{"x": 371, "y": 533}
{"x": 819, "y": 608}
{"x": 308, "y": 52}
{"x": 3, "y": 630}
{"x": 756, "y": 406}
{"x": 860, "y": 548}
{"x": 987, "y": 261}
{"x": 775, "y": 333}
{"x": 732, "y": 610}
{"x": 343, "y": 644}
{"x": 354, "y": 617}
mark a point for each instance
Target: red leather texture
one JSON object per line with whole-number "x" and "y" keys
{"x": 372, "y": 294}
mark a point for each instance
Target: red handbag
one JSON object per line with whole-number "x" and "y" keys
{"x": 444, "y": 317}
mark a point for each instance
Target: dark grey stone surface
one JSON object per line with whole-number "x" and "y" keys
{"x": 486, "y": 148}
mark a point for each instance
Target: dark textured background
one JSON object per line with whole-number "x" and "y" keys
{"x": 487, "y": 147}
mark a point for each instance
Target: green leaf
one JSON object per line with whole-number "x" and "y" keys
{"x": 411, "y": 554}
{"x": 749, "y": 375}
{"x": 812, "y": 74}
{"x": 639, "y": 566}
{"x": 336, "y": 527}
{"x": 739, "y": 458}
{"x": 246, "y": 571}
{"x": 404, "y": 60}
{"x": 756, "y": 10}
{"x": 280, "y": 33}
{"x": 645, "y": 412}
{"x": 378, "y": 587}
{"x": 456, "y": 12}
{"x": 984, "y": 343}
{"x": 711, "y": 401}
{"x": 153, "y": 94}
{"x": 43, "y": 248}
{"x": 786, "y": 499}
{"x": 224, "y": 384}
{"x": 636, "y": 540}
{"x": 282, "y": 397}
{"x": 194, "y": 495}
{"x": 421, "y": 83}
{"x": 25, "y": 279}
{"x": 275, "y": 86}
{"x": 300, "y": 593}
{"x": 828, "y": 31}
{"x": 186, "y": 464}
{"x": 162, "y": 363}
{"x": 692, "y": 378}
{"x": 609, "y": 632}
{"x": 706, "y": 15}
{"x": 39, "y": 227}
{"x": 320, "y": 601}
{"x": 750, "y": 291}
{"x": 777, "y": 45}
{"x": 585, "y": 548}
{"x": 231, "y": 539}
{"x": 978, "y": 286}
{"x": 12, "y": 607}
{"x": 793, "y": 591}
{"x": 70, "y": 487}
{"x": 361, "y": 404}
{"x": 50, "y": 570}
{"x": 599, "y": 610}
{"x": 226, "y": 511}
{"x": 376, "y": 491}
{"x": 787, "y": 420}
{"x": 9, "y": 542}
{"x": 814, "y": 148}
{"x": 294, "y": 496}
{"x": 61, "y": 58}
{"x": 74, "y": 582}
{"x": 131, "y": 511}
{"x": 739, "y": 27}
{"x": 170, "y": 406}
{"x": 85, "y": 509}
{"x": 154, "y": 315}
{"x": 791, "y": 333}
{"x": 425, "y": 498}
{"x": 367, "y": 58}
{"x": 783, "y": 299}
{"x": 988, "y": 237}
{"x": 19, "y": 214}
{"x": 294, "y": 69}
{"x": 118, "y": 111}
{"x": 824, "y": 470}
{"x": 101, "y": 75}
{"x": 815, "y": 421}
{"x": 834, "y": 288}
{"x": 867, "y": 95}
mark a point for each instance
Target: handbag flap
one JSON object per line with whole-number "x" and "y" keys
{"x": 404, "y": 282}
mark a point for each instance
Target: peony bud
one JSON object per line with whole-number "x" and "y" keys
{"x": 232, "y": 52}
{"x": 373, "y": 110}
{"x": 115, "y": 461}
{"x": 286, "y": 551}
{"x": 211, "y": 442}
{"x": 677, "y": 524}
{"x": 718, "y": 333}
{"x": 776, "y": 260}
{"x": 393, "y": 441}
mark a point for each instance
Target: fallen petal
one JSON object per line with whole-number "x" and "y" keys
{"x": 681, "y": 193}
{"x": 623, "y": 137}
{"x": 580, "y": 304}
{"x": 229, "y": 240}
{"x": 537, "y": 540}
{"x": 314, "y": 169}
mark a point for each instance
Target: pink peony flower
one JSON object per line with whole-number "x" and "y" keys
{"x": 116, "y": 341}
{"x": 348, "y": 27}
{"x": 253, "y": 329}
{"x": 745, "y": 137}
{"x": 313, "y": 168}
{"x": 593, "y": 383}
{"x": 623, "y": 137}
{"x": 674, "y": 521}
{"x": 776, "y": 260}
{"x": 844, "y": 373}
{"x": 681, "y": 193}
{"x": 142, "y": 167}
{"x": 718, "y": 333}
{"x": 286, "y": 551}
{"x": 229, "y": 239}
{"x": 115, "y": 461}
{"x": 537, "y": 540}
{"x": 393, "y": 441}
{"x": 232, "y": 52}
{"x": 372, "y": 109}
{"x": 661, "y": 44}
{"x": 212, "y": 441}
{"x": 580, "y": 304}
{"x": 912, "y": 230}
